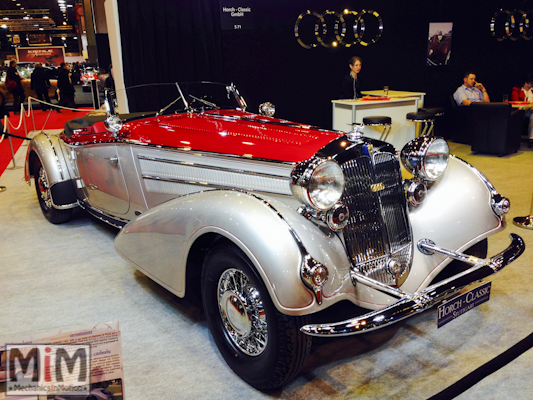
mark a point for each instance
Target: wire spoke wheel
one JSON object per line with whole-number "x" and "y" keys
{"x": 261, "y": 345}
{"x": 242, "y": 312}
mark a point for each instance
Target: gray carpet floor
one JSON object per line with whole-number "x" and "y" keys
{"x": 69, "y": 276}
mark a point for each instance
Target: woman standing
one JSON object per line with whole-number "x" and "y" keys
{"x": 351, "y": 84}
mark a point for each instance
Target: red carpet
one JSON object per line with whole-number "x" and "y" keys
{"x": 55, "y": 121}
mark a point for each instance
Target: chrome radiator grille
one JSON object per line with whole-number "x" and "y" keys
{"x": 378, "y": 230}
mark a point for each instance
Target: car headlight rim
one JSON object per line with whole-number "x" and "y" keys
{"x": 320, "y": 185}
{"x": 426, "y": 157}
{"x": 433, "y": 173}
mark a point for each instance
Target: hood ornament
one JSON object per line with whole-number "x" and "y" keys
{"x": 357, "y": 132}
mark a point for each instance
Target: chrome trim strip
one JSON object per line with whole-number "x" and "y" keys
{"x": 57, "y": 157}
{"x": 479, "y": 174}
{"x": 201, "y": 153}
{"x": 306, "y": 257}
{"x": 112, "y": 220}
{"x": 203, "y": 166}
{"x": 208, "y": 185}
{"x": 412, "y": 303}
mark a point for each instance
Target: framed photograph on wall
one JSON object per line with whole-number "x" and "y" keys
{"x": 439, "y": 43}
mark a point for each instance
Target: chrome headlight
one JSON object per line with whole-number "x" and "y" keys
{"x": 426, "y": 157}
{"x": 318, "y": 183}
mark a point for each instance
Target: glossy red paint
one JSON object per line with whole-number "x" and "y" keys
{"x": 96, "y": 133}
{"x": 230, "y": 132}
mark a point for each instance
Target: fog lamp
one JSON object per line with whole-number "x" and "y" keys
{"x": 416, "y": 192}
{"x": 337, "y": 217}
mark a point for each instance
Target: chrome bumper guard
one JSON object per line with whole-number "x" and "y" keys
{"x": 411, "y": 303}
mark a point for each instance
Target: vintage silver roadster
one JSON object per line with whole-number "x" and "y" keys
{"x": 271, "y": 220}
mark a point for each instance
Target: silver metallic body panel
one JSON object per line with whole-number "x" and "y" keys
{"x": 50, "y": 153}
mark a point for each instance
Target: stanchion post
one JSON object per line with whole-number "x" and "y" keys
{"x": 30, "y": 109}
{"x": 11, "y": 147}
{"x": 527, "y": 221}
{"x": 12, "y": 153}
{"x": 23, "y": 116}
{"x": 3, "y": 188}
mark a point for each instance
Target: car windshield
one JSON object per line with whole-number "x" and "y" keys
{"x": 169, "y": 98}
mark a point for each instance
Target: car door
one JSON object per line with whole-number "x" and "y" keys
{"x": 100, "y": 169}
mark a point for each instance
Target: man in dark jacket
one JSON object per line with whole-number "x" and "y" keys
{"x": 18, "y": 91}
{"x": 66, "y": 89}
{"x": 41, "y": 84}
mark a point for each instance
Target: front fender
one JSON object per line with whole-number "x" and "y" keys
{"x": 456, "y": 214}
{"x": 159, "y": 241}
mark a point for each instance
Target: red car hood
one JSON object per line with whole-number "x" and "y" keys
{"x": 231, "y": 132}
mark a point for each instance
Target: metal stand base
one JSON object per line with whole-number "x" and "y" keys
{"x": 524, "y": 222}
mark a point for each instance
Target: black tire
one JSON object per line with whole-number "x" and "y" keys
{"x": 261, "y": 345}
{"x": 42, "y": 188}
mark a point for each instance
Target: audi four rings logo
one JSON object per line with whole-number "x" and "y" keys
{"x": 511, "y": 25}
{"x": 332, "y": 29}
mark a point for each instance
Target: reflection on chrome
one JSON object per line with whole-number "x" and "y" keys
{"x": 411, "y": 303}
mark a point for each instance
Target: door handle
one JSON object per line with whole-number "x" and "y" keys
{"x": 112, "y": 160}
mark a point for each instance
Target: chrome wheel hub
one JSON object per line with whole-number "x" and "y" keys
{"x": 44, "y": 189}
{"x": 242, "y": 312}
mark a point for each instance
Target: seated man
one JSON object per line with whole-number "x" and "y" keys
{"x": 470, "y": 91}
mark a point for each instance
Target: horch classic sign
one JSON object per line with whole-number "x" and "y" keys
{"x": 236, "y": 15}
{"x": 463, "y": 303}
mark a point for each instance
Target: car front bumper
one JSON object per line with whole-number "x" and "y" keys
{"x": 412, "y": 303}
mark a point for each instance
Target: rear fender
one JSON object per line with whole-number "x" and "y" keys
{"x": 48, "y": 150}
